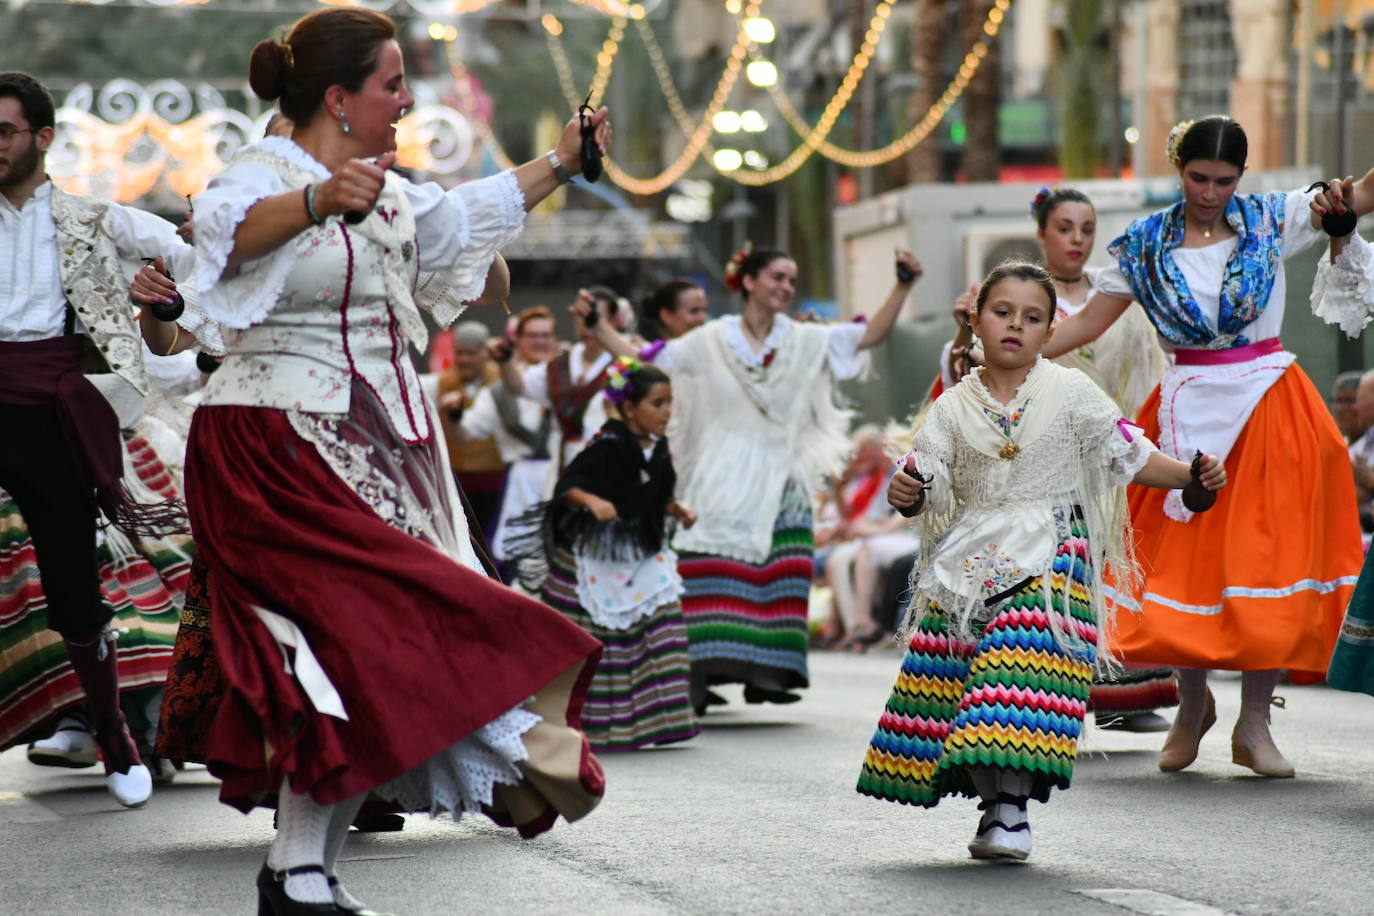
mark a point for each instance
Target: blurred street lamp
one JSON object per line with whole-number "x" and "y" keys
{"x": 762, "y": 73}
{"x": 727, "y": 122}
{"x": 727, "y": 160}
{"x": 690, "y": 202}
{"x": 752, "y": 121}
{"x": 760, "y": 30}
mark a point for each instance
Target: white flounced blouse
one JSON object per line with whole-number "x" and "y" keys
{"x": 339, "y": 302}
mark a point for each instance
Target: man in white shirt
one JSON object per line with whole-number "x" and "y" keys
{"x": 65, "y": 265}
{"x": 570, "y": 384}
{"x": 523, "y": 428}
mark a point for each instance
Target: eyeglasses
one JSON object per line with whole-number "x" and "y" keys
{"x": 7, "y": 134}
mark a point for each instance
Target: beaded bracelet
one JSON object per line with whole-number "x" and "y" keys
{"x": 310, "y": 205}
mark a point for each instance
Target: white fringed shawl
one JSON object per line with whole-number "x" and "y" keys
{"x": 993, "y": 522}
{"x": 741, "y": 433}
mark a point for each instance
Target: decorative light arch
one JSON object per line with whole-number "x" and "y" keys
{"x": 158, "y": 143}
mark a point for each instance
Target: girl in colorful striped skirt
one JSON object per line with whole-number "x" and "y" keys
{"x": 1017, "y": 476}
{"x": 604, "y": 561}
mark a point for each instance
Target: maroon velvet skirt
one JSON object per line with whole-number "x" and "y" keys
{"x": 422, "y": 650}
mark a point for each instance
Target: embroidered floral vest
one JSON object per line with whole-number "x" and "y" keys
{"x": 96, "y": 284}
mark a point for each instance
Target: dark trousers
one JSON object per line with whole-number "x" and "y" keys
{"x": 37, "y": 469}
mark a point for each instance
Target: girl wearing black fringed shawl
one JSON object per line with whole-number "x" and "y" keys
{"x": 598, "y": 552}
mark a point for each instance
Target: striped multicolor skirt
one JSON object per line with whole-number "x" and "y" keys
{"x": 1015, "y": 699}
{"x": 1133, "y": 691}
{"x": 746, "y": 621}
{"x": 639, "y": 694}
{"x": 145, "y": 589}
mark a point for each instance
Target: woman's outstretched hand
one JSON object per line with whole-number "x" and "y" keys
{"x": 569, "y": 146}
{"x": 353, "y": 188}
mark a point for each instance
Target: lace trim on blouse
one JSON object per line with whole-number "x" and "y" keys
{"x": 1343, "y": 292}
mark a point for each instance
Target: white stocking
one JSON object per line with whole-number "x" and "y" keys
{"x": 339, "y": 822}
{"x": 992, "y": 782}
{"x": 302, "y": 828}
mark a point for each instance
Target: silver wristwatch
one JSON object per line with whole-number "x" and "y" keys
{"x": 558, "y": 171}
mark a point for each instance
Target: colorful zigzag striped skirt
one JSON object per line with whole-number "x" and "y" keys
{"x": 639, "y": 693}
{"x": 747, "y": 621}
{"x": 1015, "y": 699}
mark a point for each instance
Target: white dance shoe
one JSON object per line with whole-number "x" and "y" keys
{"x": 131, "y": 789}
{"x": 71, "y": 745}
{"x": 1003, "y": 833}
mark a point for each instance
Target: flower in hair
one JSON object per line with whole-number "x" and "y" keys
{"x": 732, "y": 266}
{"x": 618, "y": 383}
{"x": 1039, "y": 199}
{"x": 1175, "y": 141}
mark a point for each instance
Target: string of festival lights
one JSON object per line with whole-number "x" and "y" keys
{"x": 814, "y": 139}
{"x": 744, "y": 53}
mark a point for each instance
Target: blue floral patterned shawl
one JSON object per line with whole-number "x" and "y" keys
{"x": 1145, "y": 256}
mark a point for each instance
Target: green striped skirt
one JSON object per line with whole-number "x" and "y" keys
{"x": 639, "y": 694}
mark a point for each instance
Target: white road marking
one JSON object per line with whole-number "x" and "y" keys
{"x": 1151, "y": 903}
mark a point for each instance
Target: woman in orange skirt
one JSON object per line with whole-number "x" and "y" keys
{"x": 1258, "y": 584}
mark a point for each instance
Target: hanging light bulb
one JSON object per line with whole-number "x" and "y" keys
{"x": 762, "y": 73}
{"x": 726, "y": 122}
{"x": 760, "y": 30}
{"x": 727, "y": 160}
{"x": 752, "y": 121}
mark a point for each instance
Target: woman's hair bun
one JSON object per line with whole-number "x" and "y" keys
{"x": 267, "y": 70}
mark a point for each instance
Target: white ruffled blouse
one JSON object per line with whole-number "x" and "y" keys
{"x": 1343, "y": 291}
{"x": 339, "y": 302}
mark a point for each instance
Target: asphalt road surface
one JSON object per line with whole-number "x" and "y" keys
{"x": 759, "y": 815}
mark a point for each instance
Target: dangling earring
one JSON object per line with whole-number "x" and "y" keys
{"x": 343, "y": 122}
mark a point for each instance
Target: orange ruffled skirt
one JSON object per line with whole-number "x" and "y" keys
{"x": 1262, "y": 580}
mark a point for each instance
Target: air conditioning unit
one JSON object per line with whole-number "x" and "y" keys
{"x": 988, "y": 244}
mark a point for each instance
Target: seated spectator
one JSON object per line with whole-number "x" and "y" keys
{"x": 523, "y": 429}
{"x": 1362, "y": 449}
{"x": 477, "y": 463}
{"x": 1343, "y": 405}
{"x": 867, "y": 536}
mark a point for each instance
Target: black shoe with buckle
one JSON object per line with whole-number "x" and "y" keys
{"x": 274, "y": 901}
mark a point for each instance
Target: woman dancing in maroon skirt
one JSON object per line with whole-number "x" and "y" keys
{"x": 362, "y": 648}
